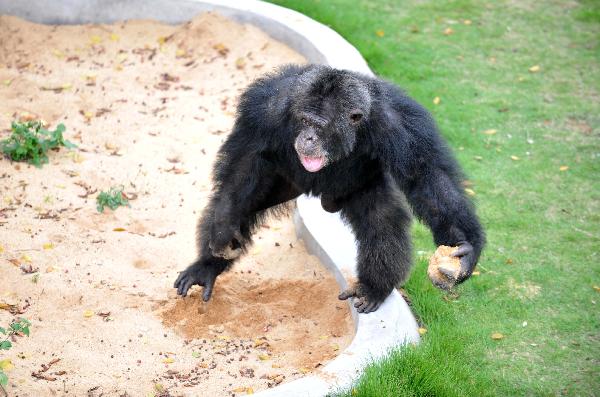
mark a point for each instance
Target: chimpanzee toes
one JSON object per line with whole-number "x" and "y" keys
{"x": 347, "y": 293}
{"x": 372, "y": 306}
{"x": 359, "y": 303}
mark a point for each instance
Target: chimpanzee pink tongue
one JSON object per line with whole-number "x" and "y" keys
{"x": 312, "y": 164}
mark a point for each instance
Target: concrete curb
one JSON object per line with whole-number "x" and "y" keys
{"x": 325, "y": 234}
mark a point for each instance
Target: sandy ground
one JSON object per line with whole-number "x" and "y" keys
{"x": 148, "y": 106}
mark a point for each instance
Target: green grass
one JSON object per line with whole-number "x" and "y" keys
{"x": 543, "y": 224}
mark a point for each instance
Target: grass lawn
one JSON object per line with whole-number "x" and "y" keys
{"x": 528, "y": 74}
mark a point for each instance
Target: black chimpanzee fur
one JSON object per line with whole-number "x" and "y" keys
{"x": 363, "y": 146}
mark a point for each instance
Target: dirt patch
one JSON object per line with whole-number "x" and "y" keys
{"x": 288, "y": 311}
{"x": 148, "y": 105}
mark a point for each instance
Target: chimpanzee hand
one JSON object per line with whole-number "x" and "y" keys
{"x": 367, "y": 300}
{"x": 225, "y": 241}
{"x": 466, "y": 253}
{"x": 201, "y": 273}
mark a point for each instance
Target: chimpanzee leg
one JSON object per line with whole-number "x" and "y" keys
{"x": 381, "y": 225}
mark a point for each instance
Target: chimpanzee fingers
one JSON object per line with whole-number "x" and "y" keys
{"x": 208, "y": 289}
{"x": 178, "y": 280}
{"x": 463, "y": 249}
{"x": 449, "y": 273}
{"x": 466, "y": 268}
{"x": 184, "y": 285}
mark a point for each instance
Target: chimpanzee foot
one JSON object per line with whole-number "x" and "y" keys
{"x": 199, "y": 273}
{"x": 367, "y": 300}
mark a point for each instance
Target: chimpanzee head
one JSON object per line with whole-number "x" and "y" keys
{"x": 329, "y": 108}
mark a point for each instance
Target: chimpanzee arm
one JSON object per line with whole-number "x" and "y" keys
{"x": 245, "y": 185}
{"x": 424, "y": 168}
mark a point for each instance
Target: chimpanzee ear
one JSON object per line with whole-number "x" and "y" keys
{"x": 356, "y": 115}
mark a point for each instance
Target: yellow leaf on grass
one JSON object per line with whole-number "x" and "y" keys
{"x": 478, "y": 158}
{"x": 422, "y": 331}
{"x": 476, "y": 273}
{"x": 380, "y": 33}
{"x": 467, "y": 22}
{"x": 436, "y": 100}
{"x": 497, "y": 336}
{"x": 515, "y": 158}
{"x": 470, "y": 192}
{"x": 563, "y": 168}
{"x": 6, "y": 365}
{"x": 88, "y": 313}
{"x": 448, "y": 31}
{"x": 490, "y": 131}
{"x": 169, "y": 360}
{"x": 596, "y": 288}
{"x": 534, "y": 69}
{"x": 48, "y": 246}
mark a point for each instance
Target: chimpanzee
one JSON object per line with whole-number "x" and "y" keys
{"x": 359, "y": 143}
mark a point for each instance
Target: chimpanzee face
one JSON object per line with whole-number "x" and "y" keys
{"x": 328, "y": 116}
{"x": 325, "y": 138}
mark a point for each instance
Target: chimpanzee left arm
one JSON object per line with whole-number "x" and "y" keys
{"x": 431, "y": 179}
{"x": 438, "y": 200}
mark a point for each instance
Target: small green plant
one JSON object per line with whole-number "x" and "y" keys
{"x": 30, "y": 141}
{"x": 18, "y": 326}
{"x": 112, "y": 199}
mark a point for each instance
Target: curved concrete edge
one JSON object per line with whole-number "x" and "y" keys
{"x": 325, "y": 234}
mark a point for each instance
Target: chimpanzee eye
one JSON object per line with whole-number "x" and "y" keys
{"x": 304, "y": 121}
